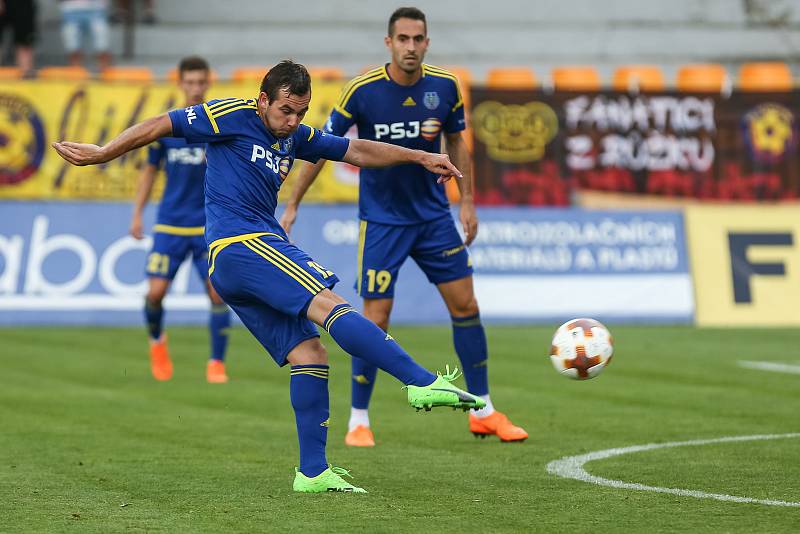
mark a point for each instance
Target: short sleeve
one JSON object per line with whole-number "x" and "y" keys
{"x": 210, "y": 122}
{"x": 338, "y": 123}
{"x": 155, "y": 154}
{"x": 312, "y": 144}
{"x": 455, "y": 121}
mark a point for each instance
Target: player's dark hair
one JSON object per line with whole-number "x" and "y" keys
{"x": 287, "y": 75}
{"x": 192, "y": 63}
{"x": 406, "y": 13}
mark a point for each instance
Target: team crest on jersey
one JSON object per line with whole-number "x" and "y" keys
{"x": 431, "y": 100}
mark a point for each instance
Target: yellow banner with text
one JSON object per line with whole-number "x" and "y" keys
{"x": 745, "y": 264}
{"x": 33, "y": 114}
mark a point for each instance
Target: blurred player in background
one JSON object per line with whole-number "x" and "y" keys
{"x": 404, "y": 212}
{"x": 277, "y": 290}
{"x": 179, "y": 229}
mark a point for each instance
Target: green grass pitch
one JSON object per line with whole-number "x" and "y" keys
{"x": 90, "y": 443}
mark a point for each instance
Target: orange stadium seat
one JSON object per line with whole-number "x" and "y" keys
{"x": 172, "y": 75}
{"x": 127, "y": 74}
{"x": 64, "y": 73}
{"x": 325, "y": 73}
{"x": 577, "y": 78}
{"x": 709, "y": 78}
{"x": 10, "y": 73}
{"x": 511, "y": 78}
{"x": 765, "y": 77}
{"x": 639, "y": 78}
{"x": 249, "y": 74}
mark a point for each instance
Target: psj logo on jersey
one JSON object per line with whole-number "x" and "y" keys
{"x": 270, "y": 160}
{"x": 190, "y": 114}
{"x": 187, "y": 155}
{"x": 429, "y": 129}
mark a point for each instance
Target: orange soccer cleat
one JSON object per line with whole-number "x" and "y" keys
{"x": 360, "y": 436}
{"x": 496, "y": 424}
{"x": 160, "y": 364}
{"x": 215, "y": 372}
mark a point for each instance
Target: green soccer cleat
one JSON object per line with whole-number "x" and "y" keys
{"x": 328, "y": 481}
{"x": 443, "y": 393}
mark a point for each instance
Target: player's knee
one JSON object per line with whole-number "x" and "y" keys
{"x": 309, "y": 352}
{"x": 154, "y": 298}
{"x": 465, "y": 308}
{"x": 379, "y": 317}
{"x": 322, "y": 305}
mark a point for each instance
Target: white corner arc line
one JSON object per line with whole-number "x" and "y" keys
{"x": 572, "y": 467}
{"x": 770, "y": 366}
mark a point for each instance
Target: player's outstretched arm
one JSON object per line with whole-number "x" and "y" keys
{"x": 364, "y": 153}
{"x": 305, "y": 177}
{"x": 143, "y": 189}
{"x": 134, "y": 137}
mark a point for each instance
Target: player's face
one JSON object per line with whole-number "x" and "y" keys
{"x": 283, "y": 115}
{"x": 194, "y": 84}
{"x": 408, "y": 44}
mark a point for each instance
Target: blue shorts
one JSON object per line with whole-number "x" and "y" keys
{"x": 382, "y": 248}
{"x": 269, "y": 283}
{"x": 169, "y": 251}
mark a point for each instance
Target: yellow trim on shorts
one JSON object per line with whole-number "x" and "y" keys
{"x": 362, "y": 237}
{"x": 179, "y": 230}
{"x": 218, "y": 244}
{"x": 251, "y": 246}
{"x": 286, "y": 262}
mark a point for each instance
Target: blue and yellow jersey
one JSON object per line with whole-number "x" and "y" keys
{"x": 410, "y": 116}
{"x": 246, "y": 163}
{"x": 182, "y": 205}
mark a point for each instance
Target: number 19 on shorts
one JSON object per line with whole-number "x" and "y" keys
{"x": 381, "y": 279}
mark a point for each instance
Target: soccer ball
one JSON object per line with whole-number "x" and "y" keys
{"x": 581, "y": 348}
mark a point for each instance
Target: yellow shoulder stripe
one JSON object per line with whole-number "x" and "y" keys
{"x": 311, "y": 135}
{"x": 223, "y": 102}
{"x": 372, "y": 76}
{"x": 221, "y": 106}
{"x": 210, "y": 115}
{"x": 231, "y": 110}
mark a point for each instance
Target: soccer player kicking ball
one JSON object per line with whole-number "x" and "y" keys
{"x": 278, "y": 290}
{"x": 179, "y": 230}
{"x": 404, "y": 212}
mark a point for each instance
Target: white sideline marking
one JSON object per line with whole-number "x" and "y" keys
{"x": 572, "y": 467}
{"x": 771, "y": 366}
